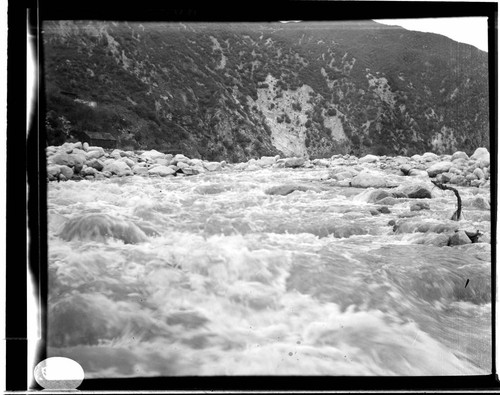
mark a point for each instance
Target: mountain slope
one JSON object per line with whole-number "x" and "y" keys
{"x": 233, "y": 91}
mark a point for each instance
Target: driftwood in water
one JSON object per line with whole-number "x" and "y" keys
{"x": 457, "y": 214}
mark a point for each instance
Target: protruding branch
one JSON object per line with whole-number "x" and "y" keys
{"x": 456, "y": 216}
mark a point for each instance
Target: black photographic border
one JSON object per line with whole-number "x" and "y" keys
{"x": 35, "y": 224}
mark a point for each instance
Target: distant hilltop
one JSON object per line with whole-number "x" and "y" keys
{"x": 240, "y": 91}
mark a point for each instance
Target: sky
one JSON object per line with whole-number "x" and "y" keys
{"x": 469, "y": 30}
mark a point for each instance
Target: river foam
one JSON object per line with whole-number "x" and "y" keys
{"x": 211, "y": 275}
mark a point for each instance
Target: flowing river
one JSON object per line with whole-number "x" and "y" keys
{"x": 209, "y": 275}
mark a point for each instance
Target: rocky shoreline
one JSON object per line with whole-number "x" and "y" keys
{"x": 77, "y": 161}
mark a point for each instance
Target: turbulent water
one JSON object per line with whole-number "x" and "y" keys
{"x": 209, "y": 275}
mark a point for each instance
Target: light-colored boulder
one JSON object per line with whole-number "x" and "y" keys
{"x": 116, "y": 153}
{"x": 459, "y": 155}
{"x": 430, "y": 157}
{"x": 182, "y": 165}
{"x": 95, "y": 163}
{"x": 418, "y": 173}
{"x": 438, "y": 168}
{"x": 94, "y": 153}
{"x": 367, "y": 179}
{"x": 88, "y": 171}
{"x": 118, "y": 168}
{"x": 161, "y": 171}
{"x": 180, "y": 158}
{"x": 369, "y": 159}
{"x": 140, "y": 170}
{"x": 130, "y": 163}
{"x": 457, "y": 179}
{"x": 63, "y": 159}
{"x": 479, "y": 173}
{"x": 266, "y": 161}
{"x": 294, "y": 162}
{"x": 78, "y": 160}
{"x": 85, "y": 146}
{"x": 480, "y": 154}
{"x": 53, "y": 171}
{"x": 77, "y": 145}
{"x": 212, "y": 166}
{"x": 152, "y": 155}
{"x": 198, "y": 168}
{"x": 66, "y": 171}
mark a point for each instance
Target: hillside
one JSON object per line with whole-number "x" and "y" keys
{"x": 236, "y": 91}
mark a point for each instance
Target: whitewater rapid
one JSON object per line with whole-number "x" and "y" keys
{"x": 210, "y": 275}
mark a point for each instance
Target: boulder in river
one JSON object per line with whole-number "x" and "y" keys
{"x": 289, "y": 188}
{"x": 88, "y": 171}
{"x": 66, "y": 171}
{"x": 478, "y": 202}
{"x": 482, "y": 156}
{"x": 212, "y": 166}
{"x": 418, "y": 173}
{"x": 140, "y": 170}
{"x": 53, "y": 172}
{"x": 438, "y": 168}
{"x": 372, "y": 196}
{"x": 161, "y": 171}
{"x": 152, "y": 155}
{"x": 95, "y": 163}
{"x": 94, "y": 153}
{"x": 118, "y": 168}
{"x": 369, "y": 159}
{"x": 459, "y": 155}
{"x": 63, "y": 159}
{"x": 389, "y": 201}
{"x": 99, "y": 227}
{"x": 367, "y": 179}
{"x": 430, "y": 157}
{"x": 267, "y": 161}
{"x": 418, "y": 206}
{"x": 294, "y": 162}
{"x": 416, "y": 191}
{"x": 78, "y": 161}
{"x": 435, "y": 239}
{"x": 479, "y": 173}
{"x": 459, "y": 238}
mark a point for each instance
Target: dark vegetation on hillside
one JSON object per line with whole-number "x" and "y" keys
{"x": 186, "y": 88}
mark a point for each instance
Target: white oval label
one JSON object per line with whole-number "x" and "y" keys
{"x": 59, "y": 373}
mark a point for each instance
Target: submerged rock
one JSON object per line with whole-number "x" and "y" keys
{"x": 438, "y": 240}
{"x": 423, "y": 226}
{"x": 100, "y": 227}
{"x": 294, "y": 162}
{"x": 289, "y": 188}
{"x": 417, "y": 206}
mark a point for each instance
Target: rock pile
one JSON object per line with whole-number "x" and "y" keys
{"x": 81, "y": 161}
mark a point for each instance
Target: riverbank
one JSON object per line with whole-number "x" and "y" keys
{"x": 79, "y": 161}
